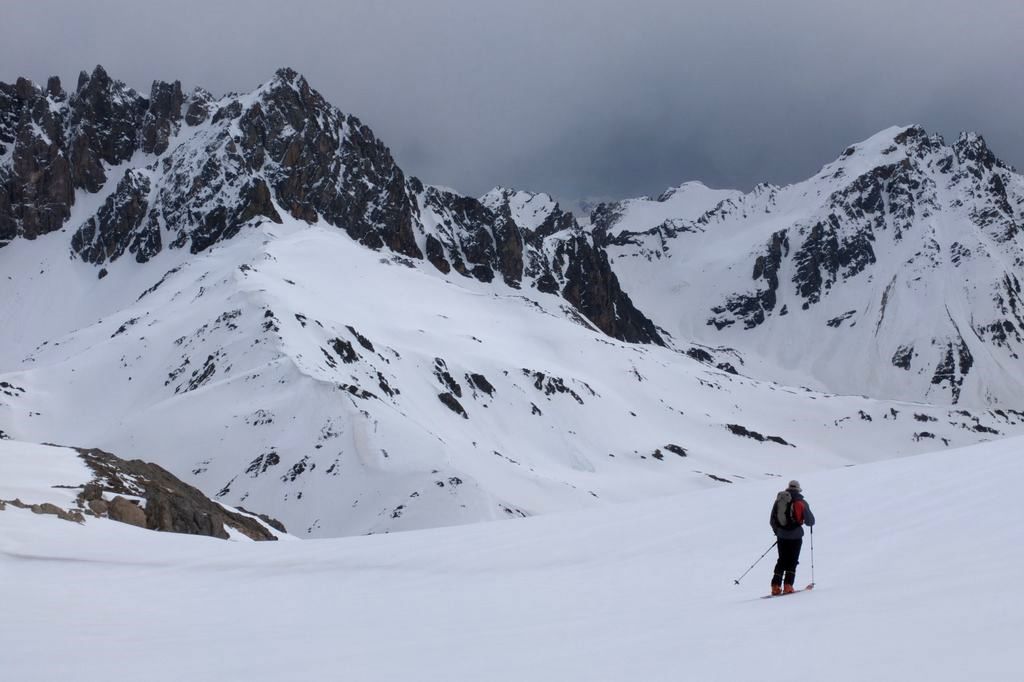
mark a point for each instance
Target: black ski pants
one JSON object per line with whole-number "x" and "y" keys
{"x": 789, "y": 557}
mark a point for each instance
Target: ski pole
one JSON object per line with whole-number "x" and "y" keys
{"x": 812, "y": 555}
{"x": 737, "y": 580}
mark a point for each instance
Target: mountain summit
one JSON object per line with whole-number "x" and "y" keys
{"x": 171, "y": 171}
{"x": 893, "y": 272}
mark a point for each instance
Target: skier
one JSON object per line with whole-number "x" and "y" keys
{"x": 789, "y": 514}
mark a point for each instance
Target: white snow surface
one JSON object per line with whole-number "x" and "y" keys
{"x": 36, "y": 474}
{"x": 917, "y": 567}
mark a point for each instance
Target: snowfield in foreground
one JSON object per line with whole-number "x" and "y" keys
{"x": 918, "y": 563}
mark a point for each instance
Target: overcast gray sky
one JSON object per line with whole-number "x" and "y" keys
{"x": 575, "y": 98}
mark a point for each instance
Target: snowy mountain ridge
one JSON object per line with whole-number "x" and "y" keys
{"x": 250, "y": 292}
{"x": 902, "y": 259}
{"x": 175, "y": 172}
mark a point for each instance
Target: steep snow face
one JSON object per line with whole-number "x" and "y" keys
{"x": 292, "y": 371}
{"x": 894, "y": 272}
{"x": 911, "y": 585}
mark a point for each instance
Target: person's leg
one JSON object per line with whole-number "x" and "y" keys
{"x": 792, "y": 554}
{"x": 779, "y": 569}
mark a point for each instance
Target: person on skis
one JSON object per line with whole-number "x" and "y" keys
{"x": 790, "y": 514}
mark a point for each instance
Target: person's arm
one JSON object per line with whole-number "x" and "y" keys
{"x": 808, "y": 515}
{"x": 773, "y": 521}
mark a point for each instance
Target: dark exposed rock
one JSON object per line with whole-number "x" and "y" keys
{"x": 453, "y": 404}
{"x": 753, "y": 308}
{"x": 105, "y": 119}
{"x": 36, "y": 189}
{"x": 972, "y": 151}
{"x": 470, "y": 238}
{"x": 363, "y": 341}
{"x": 269, "y": 520}
{"x": 348, "y": 179}
{"x": 435, "y": 254}
{"x": 739, "y": 430}
{"x": 605, "y": 216}
{"x": 699, "y": 354}
{"x": 171, "y": 505}
{"x": 838, "y": 320}
{"x": 823, "y": 255}
{"x": 344, "y": 350}
{"x": 165, "y": 101}
{"x": 592, "y": 288}
{"x": 262, "y": 463}
{"x": 126, "y": 511}
{"x": 198, "y": 107}
{"x": 115, "y": 227}
{"x": 902, "y": 357}
{"x": 445, "y": 378}
{"x": 955, "y": 363}
{"x": 480, "y": 382}
{"x": 552, "y": 385}
{"x": 52, "y": 509}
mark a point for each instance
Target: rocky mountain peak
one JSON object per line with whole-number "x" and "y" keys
{"x": 971, "y": 147}
{"x": 900, "y": 225}
{"x": 191, "y": 172}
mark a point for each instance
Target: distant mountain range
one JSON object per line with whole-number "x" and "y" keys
{"x": 248, "y": 290}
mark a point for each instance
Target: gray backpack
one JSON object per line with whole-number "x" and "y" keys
{"x": 784, "y": 510}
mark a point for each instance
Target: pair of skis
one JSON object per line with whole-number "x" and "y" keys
{"x": 809, "y": 587}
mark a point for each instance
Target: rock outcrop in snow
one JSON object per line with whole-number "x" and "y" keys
{"x": 78, "y": 485}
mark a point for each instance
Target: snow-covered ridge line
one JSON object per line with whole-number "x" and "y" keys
{"x": 901, "y": 258}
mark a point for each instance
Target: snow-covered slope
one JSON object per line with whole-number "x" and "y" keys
{"x": 289, "y": 371}
{"x": 894, "y": 272}
{"x": 917, "y": 564}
